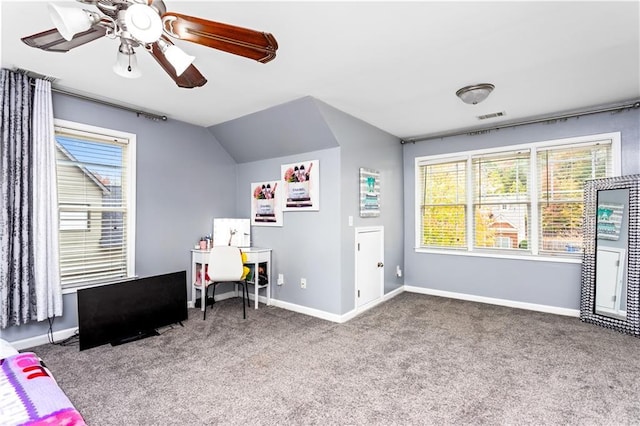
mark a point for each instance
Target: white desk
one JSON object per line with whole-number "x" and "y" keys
{"x": 255, "y": 256}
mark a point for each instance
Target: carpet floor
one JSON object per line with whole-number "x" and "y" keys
{"x": 413, "y": 360}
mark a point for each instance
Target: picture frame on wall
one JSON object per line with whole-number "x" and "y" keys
{"x": 369, "y": 192}
{"x": 301, "y": 185}
{"x": 266, "y": 203}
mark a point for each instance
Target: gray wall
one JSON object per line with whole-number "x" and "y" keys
{"x": 179, "y": 170}
{"x": 544, "y": 283}
{"x": 362, "y": 145}
{"x": 319, "y": 246}
{"x": 307, "y": 246}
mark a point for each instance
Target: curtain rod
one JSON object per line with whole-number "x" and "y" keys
{"x": 635, "y": 105}
{"x": 151, "y": 116}
{"x": 31, "y": 74}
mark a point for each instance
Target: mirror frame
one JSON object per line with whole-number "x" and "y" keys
{"x": 630, "y": 325}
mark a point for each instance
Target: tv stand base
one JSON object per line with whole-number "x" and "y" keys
{"x": 141, "y": 335}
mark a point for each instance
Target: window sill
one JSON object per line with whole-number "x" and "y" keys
{"x": 73, "y": 288}
{"x": 529, "y": 257}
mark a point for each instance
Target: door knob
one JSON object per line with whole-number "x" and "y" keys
{"x": 380, "y": 264}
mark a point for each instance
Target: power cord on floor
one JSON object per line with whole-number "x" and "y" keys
{"x": 69, "y": 341}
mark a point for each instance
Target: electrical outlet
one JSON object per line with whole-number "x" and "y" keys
{"x": 398, "y": 271}
{"x": 303, "y": 283}
{"x": 280, "y": 279}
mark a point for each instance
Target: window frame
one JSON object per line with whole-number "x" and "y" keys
{"x": 72, "y": 127}
{"x": 533, "y": 147}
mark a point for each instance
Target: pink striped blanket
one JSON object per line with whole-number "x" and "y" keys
{"x": 29, "y": 395}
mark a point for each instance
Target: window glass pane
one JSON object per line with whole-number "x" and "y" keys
{"x": 501, "y": 200}
{"x": 561, "y": 229}
{"x": 561, "y": 175}
{"x": 563, "y": 171}
{"x": 92, "y": 190}
{"x": 444, "y": 204}
{"x": 494, "y": 224}
{"x": 444, "y": 226}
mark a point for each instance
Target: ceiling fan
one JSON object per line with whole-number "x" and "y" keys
{"x": 148, "y": 25}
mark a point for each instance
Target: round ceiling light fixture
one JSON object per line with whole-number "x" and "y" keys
{"x": 475, "y": 94}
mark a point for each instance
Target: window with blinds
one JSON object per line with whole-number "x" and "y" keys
{"x": 501, "y": 200}
{"x": 444, "y": 204}
{"x": 95, "y": 181}
{"x": 523, "y": 200}
{"x": 562, "y": 172}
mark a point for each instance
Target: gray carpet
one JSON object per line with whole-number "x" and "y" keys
{"x": 413, "y": 360}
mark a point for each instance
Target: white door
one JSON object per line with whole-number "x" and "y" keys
{"x": 369, "y": 265}
{"x": 609, "y": 275}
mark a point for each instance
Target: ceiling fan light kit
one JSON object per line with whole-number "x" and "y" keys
{"x": 146, "y": 24}
{"x": 143, "y": 23}
{"x": 475, "y": 94}
{"x": 176, "y": 56}
{"x": 70, "y": 21}
{"x": 126, "y": 62}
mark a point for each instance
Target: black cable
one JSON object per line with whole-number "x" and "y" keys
{"x": 69, "y": 341}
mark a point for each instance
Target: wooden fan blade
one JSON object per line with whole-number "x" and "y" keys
{"x": 240, "y": 41}
{"x": 52, "y": 41}
{"x": 189, "y": 79}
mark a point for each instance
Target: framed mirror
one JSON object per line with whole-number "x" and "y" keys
{"x": 610, "y": 288}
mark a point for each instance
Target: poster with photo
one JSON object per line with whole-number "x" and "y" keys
{"x": 266, "y": 203}
{"x": 301, "y": 185}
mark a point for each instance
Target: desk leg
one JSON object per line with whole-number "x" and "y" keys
{"x": 269, "y": 277}
{"x": 256, "y": 279}
{"x": 193, "y": 283}
{"x": 203, "y": 287}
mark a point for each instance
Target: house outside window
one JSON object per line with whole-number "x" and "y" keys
{"x": 72, "y": 219}
{"x": 524, "y": 200}
{"x": 96, "y": 202}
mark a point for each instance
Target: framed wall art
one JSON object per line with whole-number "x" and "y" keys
{"x": 266, "y": 203}
{"x": 369, "y": 193}
{"x": 301, "y": 185}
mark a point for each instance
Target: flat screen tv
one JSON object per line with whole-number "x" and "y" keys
{"x": 131, "y": 310}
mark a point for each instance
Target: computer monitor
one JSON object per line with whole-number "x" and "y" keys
{"x": 232, "y": 231}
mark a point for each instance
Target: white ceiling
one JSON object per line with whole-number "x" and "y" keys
{"x": 395, "y": 65}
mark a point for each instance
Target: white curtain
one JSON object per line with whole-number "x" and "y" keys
{"x": 48, "y": 289}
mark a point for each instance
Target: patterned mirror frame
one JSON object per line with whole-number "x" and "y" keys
{"x": 630, "y": 325}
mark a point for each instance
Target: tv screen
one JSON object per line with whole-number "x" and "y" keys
{"x": 118, "y": 313}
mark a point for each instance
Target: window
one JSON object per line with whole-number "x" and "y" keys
{"x": 501, "y": 200}
{"x": 561, "y": 175}
{"x": 96, "y": 197}
{"x": 444, "y": 204}
{"x": 518, "y": 200}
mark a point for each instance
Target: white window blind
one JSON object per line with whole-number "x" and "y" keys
{"x": 501, "y": 200}
{"x": 93, "y": 190}
{"x": 444, "y": 204}
{"x": 522, "y": 200}
{"x": 562, "y": 172}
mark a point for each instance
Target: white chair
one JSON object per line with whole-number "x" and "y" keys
{"x": 225, "y": 265}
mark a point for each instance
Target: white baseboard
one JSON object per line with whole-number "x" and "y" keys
{"x": 43, "y": 339}
{"x": 306, "y": 310}
{"x": 493, "y": 301}
{"x": 335, "y": 317}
